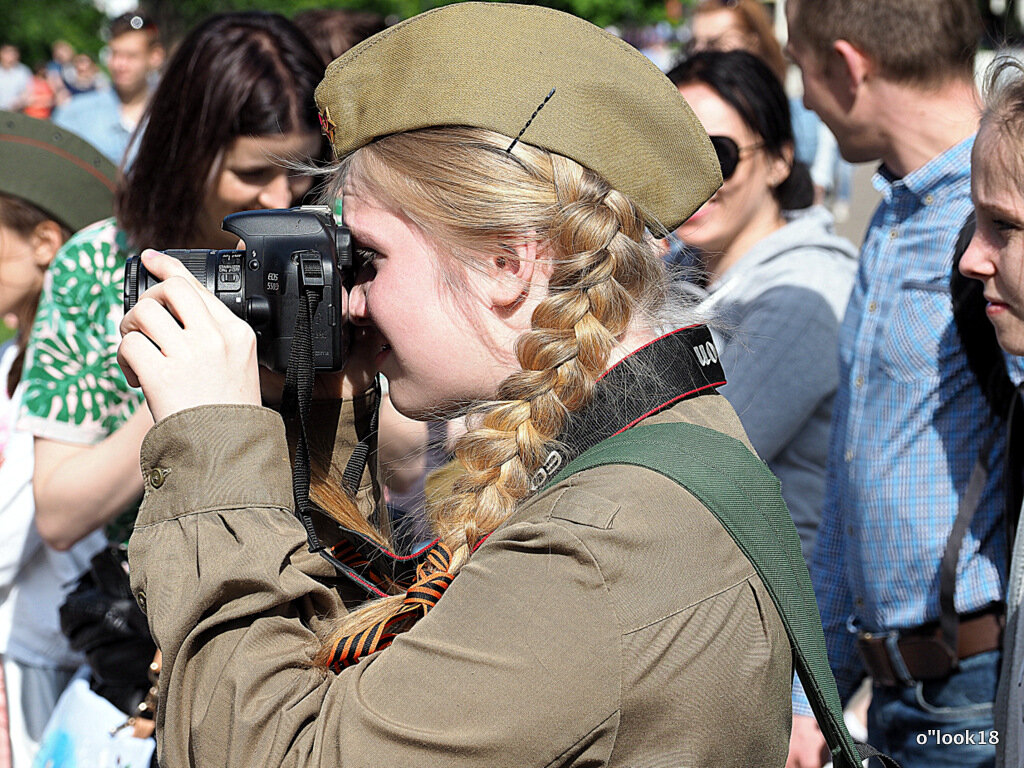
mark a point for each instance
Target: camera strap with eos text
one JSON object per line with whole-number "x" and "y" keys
{"x": 677, "y": 366}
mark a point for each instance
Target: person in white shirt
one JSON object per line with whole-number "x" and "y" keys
{"x": 51, "y": 183}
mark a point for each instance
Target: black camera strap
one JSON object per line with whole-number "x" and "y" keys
{"x": 295, "y": 402}
{"x": 678, "y": 366}
{"x": 355, "y": 556}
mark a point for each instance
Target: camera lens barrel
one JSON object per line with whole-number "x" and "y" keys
{"x": 220, "y": 272}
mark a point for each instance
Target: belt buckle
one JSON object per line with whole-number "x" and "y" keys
{"x": 890, "y": 639}
{"x": 899, "y": 665}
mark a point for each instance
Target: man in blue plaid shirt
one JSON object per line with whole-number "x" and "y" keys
{"x": 893, "y": 80}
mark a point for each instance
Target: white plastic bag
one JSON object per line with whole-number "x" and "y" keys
{"x": 78, "y": 734}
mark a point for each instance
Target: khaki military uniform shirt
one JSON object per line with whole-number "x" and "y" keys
{"x": 611, "y": 621}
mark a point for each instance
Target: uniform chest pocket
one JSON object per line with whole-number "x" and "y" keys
{"x": 920, "y": 332}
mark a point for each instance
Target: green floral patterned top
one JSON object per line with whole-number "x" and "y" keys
{"x": 72, "y": 387}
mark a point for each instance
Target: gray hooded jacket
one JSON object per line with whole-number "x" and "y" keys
{"x": 776, "y": 315}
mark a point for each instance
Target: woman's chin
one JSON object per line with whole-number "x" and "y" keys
{"x": 697, "y": 238}
{"x": 407, "y": 403}
{"x": 698, "y": 230}
{"x": 418, "y": 407}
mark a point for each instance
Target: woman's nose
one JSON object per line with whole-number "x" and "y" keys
{"x": 358, "y": 313}
{"x": 277, "y": 193}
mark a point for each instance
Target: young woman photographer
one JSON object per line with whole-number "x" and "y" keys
{"x": 510, "y": 269}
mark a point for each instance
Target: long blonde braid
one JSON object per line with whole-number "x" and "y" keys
{"x": 606, "y": 272}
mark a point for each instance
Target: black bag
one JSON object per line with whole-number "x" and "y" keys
{"x": 101, "y": 619}
{"x": 987, "y": 362}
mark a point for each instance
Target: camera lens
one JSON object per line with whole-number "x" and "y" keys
{"x": 218, "y": 271}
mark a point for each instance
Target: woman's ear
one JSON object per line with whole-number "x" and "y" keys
{"x": 515, "y": 268}
{"x": 47, "y": 238}
{"x": 780, "y": 166}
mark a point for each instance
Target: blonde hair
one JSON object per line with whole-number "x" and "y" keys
{"x": 473, "y": 198}
{"x": 1004, "y": 104}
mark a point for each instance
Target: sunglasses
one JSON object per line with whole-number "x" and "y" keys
{"x": 729, "y": 153}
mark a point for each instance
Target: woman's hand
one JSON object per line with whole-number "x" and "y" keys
{"x": 184, "y": 347}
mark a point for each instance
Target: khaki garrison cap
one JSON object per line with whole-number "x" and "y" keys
{"x": 55, "y": 170}
{"x": 491, "y": 65}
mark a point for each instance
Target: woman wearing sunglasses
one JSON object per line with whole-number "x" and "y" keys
{"x": 776, "y": 275}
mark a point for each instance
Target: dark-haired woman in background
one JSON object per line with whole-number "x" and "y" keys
{"x": 776, "y": 275}
{"x": 234, "y": 106}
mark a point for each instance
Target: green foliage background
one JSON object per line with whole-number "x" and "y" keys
{"x": 178, "y": 15}
{"x": 34, "y": 24}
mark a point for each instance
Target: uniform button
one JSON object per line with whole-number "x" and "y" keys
{"x": 140, "y": 598}
{"x": 157, "y": 476}
{"x": 849, "y": 455}
{"x": 873, "y": 306}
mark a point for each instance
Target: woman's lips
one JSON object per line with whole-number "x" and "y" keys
{"x": 701, "y": 212}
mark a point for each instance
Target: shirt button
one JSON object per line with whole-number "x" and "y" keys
{"x": 140, "y": 598}
{"x": 859, "y": 382}
{"x": 872, "y": 306}
{"x": 849, "y": 455}
{"x": 859, "y": 602}
{"x": 929, "y": 199}
{"x": 157, "y": 476}
{"x": 893, "y": 233}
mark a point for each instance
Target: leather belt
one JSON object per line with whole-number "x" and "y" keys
{"x": 905, "y": 657}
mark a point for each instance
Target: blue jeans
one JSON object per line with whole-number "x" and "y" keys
{"x": 939, "y": 722}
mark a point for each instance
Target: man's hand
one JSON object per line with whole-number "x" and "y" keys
{"x": 807, "y": 747}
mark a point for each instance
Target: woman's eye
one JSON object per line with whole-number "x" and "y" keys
{"x": 366, "y": 256}
{"x": 256, "y": 175}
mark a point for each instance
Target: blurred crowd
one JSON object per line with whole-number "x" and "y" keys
{"x": 847, "y": 368}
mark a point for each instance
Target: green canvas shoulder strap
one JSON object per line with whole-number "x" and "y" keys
{"x": 745, "y": 496}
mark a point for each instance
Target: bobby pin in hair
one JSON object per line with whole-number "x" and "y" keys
{"x": 538, "y": 109}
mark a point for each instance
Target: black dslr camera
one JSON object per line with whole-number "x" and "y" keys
{"x": 287, "y": 252}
